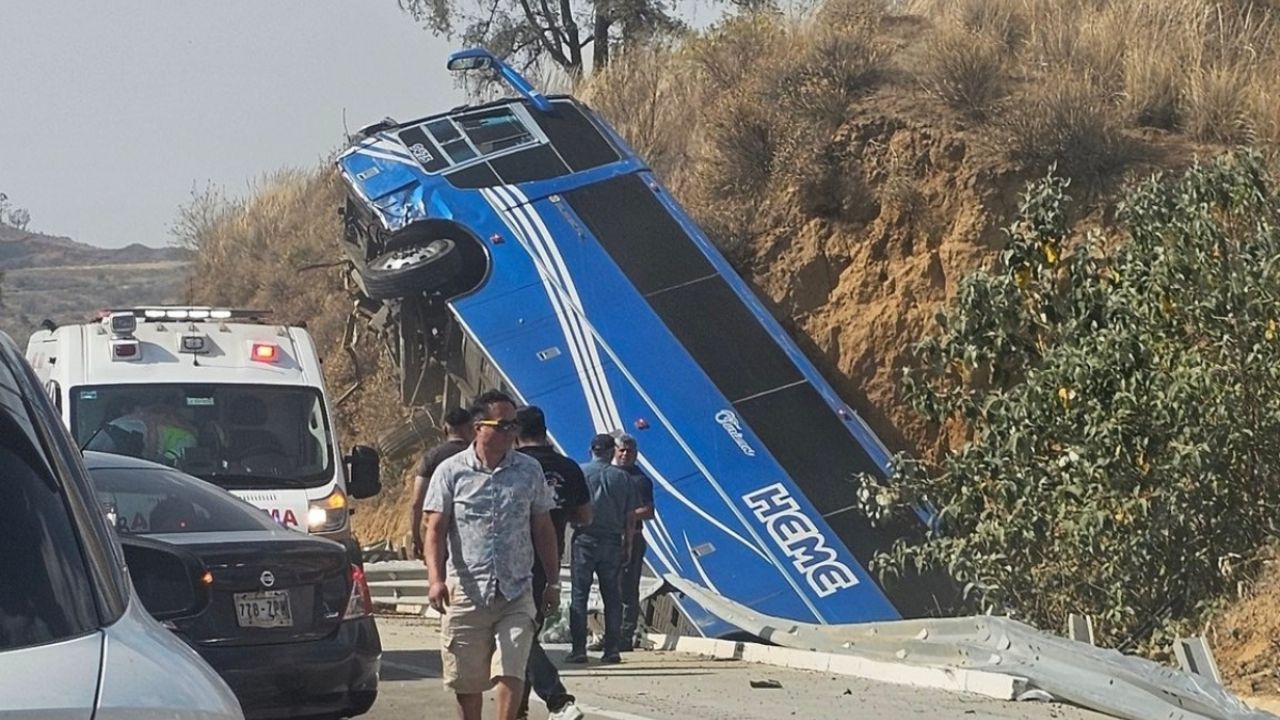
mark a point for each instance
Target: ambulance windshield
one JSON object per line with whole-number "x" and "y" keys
{"x": 238, "y": 436}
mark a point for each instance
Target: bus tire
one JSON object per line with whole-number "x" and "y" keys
{"x": 411, "y": 269}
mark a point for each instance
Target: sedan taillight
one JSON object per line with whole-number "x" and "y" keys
{"x": 361, "y": 602}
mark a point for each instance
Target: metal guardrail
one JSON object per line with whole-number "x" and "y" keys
{"x": 1100, "y": 679}
{"x": 396, "y": 583}
{"x": 1075, "y": 672}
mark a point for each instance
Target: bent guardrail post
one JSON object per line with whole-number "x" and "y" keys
{"x": 1099, "y": 679}
{"x": 1080, "y": 629}
{"x": 1195, "y": 658}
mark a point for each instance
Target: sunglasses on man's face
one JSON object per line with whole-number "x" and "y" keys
{"x": 500, "y": 425}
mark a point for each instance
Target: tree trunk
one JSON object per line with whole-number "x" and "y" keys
{"x": 600, "y": 43}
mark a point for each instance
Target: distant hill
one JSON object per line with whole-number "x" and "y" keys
{"x": 21, "y": 249}
{"x": 53, "y": 277}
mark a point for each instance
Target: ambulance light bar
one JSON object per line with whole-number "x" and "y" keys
{"x": 165, "y": 312}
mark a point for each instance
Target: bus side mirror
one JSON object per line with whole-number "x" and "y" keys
{"x": 363, "y": 478}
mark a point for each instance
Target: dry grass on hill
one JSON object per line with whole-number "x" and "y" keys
{"x": 279, "y": 250}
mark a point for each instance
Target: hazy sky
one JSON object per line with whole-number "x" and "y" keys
{"x": 111, "y": 112}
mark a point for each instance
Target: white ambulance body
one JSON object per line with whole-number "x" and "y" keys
{"x": 220, "y": 394}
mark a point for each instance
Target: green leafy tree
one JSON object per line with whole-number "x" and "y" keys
{"x": 527, "y": 32}
{"x": 1122, "y": 400}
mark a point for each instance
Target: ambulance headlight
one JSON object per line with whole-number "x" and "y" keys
{"x": 328, "y": 514}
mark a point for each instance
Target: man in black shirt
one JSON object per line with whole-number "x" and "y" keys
{"x": 573, "y": 505}
{"x": 459, "y": 434}
{"x": 625, "y": 456}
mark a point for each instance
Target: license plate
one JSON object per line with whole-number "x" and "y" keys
{"x": 267, "y": 609}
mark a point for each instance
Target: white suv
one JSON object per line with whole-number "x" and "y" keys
{"x": 75, "y": 640}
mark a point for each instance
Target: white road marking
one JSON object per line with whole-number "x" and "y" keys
{"x": 593, "y": 711}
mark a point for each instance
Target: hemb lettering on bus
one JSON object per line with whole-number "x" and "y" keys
{"x": 803, "y": 543}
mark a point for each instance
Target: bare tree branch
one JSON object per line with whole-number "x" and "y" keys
{"x": 547, "y": 43}
{"x": 509, "y": 27}
{"x": 550, "y": 16}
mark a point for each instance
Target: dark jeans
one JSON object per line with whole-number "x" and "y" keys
{"x": 601, "y": 558}
{"x": 541, "y": 675}
{"x": 631, "y": 590}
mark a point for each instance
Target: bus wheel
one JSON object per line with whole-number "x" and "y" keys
{"x": 411, "y": 269}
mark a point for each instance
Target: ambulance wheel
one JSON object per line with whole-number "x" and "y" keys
{"x": 411, "y": 269}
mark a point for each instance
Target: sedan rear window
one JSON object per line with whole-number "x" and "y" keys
{"x": 150, "y": 501}
{"x": 45, "y": 593}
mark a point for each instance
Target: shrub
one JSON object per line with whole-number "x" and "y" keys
{"x": 1153, "y": 81}
{"x": 1217, "y": 105}
{"x": 1122, "y": 400}
{"x": 648, "y": 96}
{"x": 966, "y": 70}
{"x": 1068, "y": 123}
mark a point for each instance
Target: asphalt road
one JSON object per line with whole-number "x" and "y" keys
{"x": 652, "y": 685}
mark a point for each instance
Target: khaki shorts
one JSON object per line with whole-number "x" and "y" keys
{"x": 481, "y": 644}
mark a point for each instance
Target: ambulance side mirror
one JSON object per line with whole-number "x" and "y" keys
{"x": 363, "y": 473}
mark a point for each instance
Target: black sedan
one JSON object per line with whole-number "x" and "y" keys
{"x": 290, "y": 626}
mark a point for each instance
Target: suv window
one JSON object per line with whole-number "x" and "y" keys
{"x": 45, "y": 592}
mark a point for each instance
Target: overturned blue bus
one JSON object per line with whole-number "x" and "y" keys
{"x": 521, "y": 244}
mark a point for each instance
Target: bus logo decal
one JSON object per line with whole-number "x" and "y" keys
{"x": 802, "y": 542}
{"x": 732, "y": 425}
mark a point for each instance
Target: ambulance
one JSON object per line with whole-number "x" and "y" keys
{"x": 222, "y": 394}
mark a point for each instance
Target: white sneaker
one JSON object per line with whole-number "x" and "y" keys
{"x": 568, "y": 712}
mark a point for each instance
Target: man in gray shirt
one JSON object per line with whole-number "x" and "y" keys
{"x": 599, "y": 550}
{"x": 625, "y": 457}
{"x": 491, "y": 506}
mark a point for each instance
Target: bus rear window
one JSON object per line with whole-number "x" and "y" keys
{"x": 448, "y": 138}
{"x": 464, "y": 138}
{"x": 494, "y": 131}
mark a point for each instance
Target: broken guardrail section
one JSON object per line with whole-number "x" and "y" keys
{"x": 1095, "y": 678}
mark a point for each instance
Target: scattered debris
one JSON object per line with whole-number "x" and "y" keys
{"x": 766, "y": 684}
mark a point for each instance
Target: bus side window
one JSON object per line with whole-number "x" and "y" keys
{"x": 55, "y": 394}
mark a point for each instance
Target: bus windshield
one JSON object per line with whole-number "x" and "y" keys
{"x": 237, "y": 436}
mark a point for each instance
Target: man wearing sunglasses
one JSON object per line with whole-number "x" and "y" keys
{"x": 490, "y": 506}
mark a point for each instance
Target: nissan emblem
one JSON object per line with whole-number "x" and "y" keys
{"x": 267, "y": 578}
